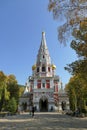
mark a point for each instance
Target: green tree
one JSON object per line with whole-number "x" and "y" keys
{"x": 9, "y": 89}
{"x": 77, "y": 91}
{"x": 13, "y": 87}
{"x": 12, "y": 105}
{"x": 4, "y": 93}
{"x": 78, "y": 68}
{"x": 80, "y": 47}
{"x": 21, "y": 89}
{"x": 2, "y": 77}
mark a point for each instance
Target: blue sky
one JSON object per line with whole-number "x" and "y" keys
{"x": 21, "y": 26}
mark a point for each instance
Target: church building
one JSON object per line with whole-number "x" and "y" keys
{"x": 43, "y": 88}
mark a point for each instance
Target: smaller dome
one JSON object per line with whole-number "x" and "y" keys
{"x": 34, "y": 67}
{"x": 53, "y": 66}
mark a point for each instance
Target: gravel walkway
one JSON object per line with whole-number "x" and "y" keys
{"x": 43, "y": 121}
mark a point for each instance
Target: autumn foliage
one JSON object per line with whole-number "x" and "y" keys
{"x": 9, "y": 91}
{"x": 70, "y": 13}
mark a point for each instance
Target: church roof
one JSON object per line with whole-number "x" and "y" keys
{"x": 43, "y": 53}
{"x": 43, "y": 41}
{"x": 26, "y": 90}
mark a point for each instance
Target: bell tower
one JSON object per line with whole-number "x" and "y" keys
{"x": 43, "y": 85}
{"x": 44, "y": 82}
{"x": 43, "y": 66}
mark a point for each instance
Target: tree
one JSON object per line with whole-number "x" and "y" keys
{"x": 77, "y": 91}
{"x": 79, "y": 68}
{"x": 70, "y": 12}
{"x": 80, "y": 47}
{"x": 21, "y": 89}
{"x": 12, "y": 105}
{"x": 9, "y": 89}
{"x": 2, "y": 77}
{"x": 11, "y": 79}
{"x": 4, "y": 93}
{"x": 13, "y": 87}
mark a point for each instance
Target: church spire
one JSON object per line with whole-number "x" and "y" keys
{"x": 43, "y": 53}
{"x": 43, "y": 41}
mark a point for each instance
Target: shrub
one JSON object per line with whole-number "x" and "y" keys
{"x": 12, "y": 105}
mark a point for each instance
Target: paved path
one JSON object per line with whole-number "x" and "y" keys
{"x": 43, "y": 121}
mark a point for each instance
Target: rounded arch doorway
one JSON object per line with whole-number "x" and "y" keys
{"x": 63, "y": 104}
{"x": 43, "y": 104}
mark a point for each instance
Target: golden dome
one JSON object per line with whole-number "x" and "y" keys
{"x": 53, "y": 67}
{"x": 34, "y": 67}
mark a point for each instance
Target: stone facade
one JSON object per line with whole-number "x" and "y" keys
{"x": 44, "y": 85}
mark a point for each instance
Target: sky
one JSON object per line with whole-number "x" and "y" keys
{"x": 21, "y": 25}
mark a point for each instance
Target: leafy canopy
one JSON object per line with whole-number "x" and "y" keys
{"x": 70, "y": 13}
{"x": 80, "y": 47}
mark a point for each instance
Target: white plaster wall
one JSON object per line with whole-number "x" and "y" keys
{"x": 35, "y": 83}
{"x": 51, "y": 83}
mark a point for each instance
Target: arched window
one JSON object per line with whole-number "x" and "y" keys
{"x": 43, "y": 56}
{"x": 43, "y": 85}
{"x": 37, "y": 69}
{"x": 43, "y": 69}
{"x": 48, "y": 69}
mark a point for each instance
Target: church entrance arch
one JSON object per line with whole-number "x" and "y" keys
{"x": 63, "y": 105}
{"x": 43, "y": 104}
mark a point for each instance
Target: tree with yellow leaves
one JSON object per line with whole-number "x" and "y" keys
{"x": 78, "y": 83}
{"x": 79, "y": 44}
{"x": 70, "y": 13}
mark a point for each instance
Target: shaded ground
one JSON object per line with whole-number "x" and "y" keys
{"x": 42, "y": 121}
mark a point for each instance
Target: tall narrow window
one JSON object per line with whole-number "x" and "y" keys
{"x": 37, "y": 69}
{"x": 48, "y": 69}
{"x": 43, "y": 56}
{"x": 43, "y": 84}
{"x": 39, "y": 84}
{"x": 43, "y": 69}
{"x": 47, "y": 83}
